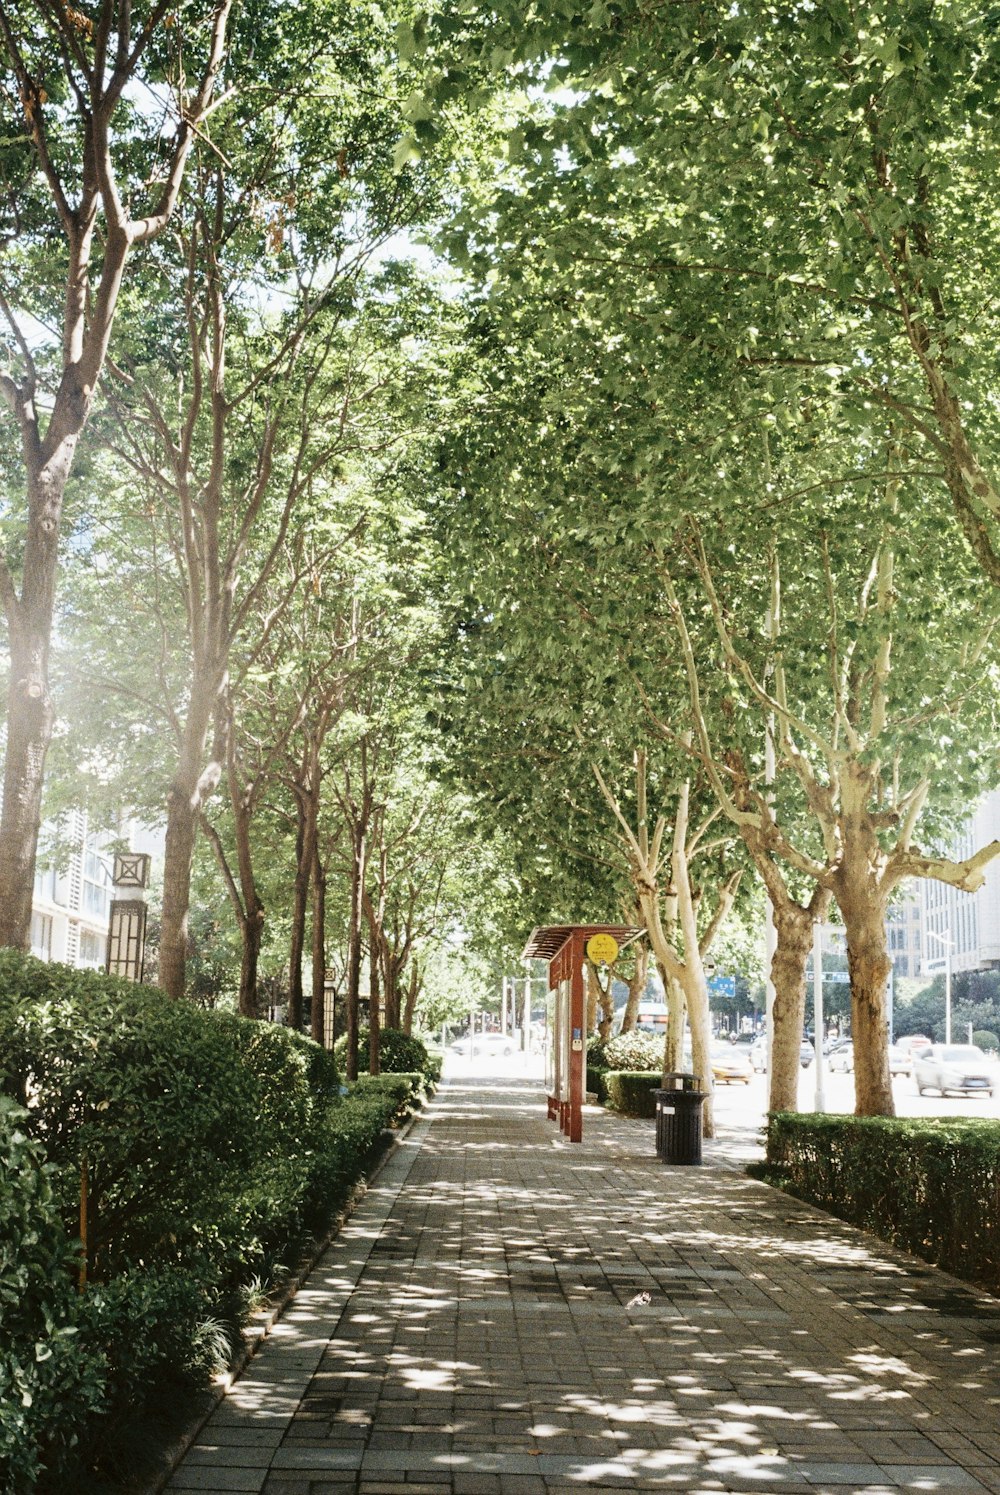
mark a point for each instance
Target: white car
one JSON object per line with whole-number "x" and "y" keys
{"x": 841, "y": 1061}
{"x": 956, "y": 1066}
{"x": 486, "y": 1043}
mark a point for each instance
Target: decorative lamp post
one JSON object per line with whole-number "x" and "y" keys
{"x": 127, "y": 919}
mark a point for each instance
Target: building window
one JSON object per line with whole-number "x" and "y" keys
{"x": 41, "y": 936}
{"x": 91, "y": 948}
{"x": 95, "y": 890}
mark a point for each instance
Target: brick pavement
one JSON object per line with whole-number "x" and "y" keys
{"x": 469, "y": 1333}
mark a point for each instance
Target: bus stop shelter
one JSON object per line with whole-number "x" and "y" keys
{"x": 566, "y": 948}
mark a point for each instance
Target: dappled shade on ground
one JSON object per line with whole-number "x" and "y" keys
{"x": 470, "y": 1331}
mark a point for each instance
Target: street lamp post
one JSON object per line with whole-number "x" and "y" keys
{"x": 948, "y": 943}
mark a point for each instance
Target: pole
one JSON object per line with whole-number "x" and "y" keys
{"x": 947, "y": 990}
{"x": 818, "y": 1020}
{"x": 503, "y": 1005}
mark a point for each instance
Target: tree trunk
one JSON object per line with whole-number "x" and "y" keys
{"x": 191, "y": 787}
{"x": 252, "y": 934}
{"x": 794, "y": 926}
{"x": 412, "y": 992}
{"x": 317, "y": 1023}
{"x": 252, "y": 920}
{"x": 354, "y": 951}
{"x": 673, "y": 1047}
{"x": 863, "y": 912}
{"x": 636, "y": 988}
{"x": 374, "y": 1019}
{"x": 297, "y": 932}
{"x": 307, "y": 808}
{"x": 29, "y": 729}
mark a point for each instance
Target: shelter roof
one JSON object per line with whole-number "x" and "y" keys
{"x": 548, "y": 939}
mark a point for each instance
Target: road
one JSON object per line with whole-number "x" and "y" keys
{"x": 745, "y": 1105}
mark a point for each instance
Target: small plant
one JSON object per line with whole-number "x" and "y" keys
{"x": 635, "y": 1050}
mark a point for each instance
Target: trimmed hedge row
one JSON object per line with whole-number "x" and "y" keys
{"x": 206, "y": 1148}
{"x": 929, "y": 1186}
{"x": 631, "y": 1091}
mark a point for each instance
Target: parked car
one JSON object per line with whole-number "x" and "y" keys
{"x": 913, "y": 1043}
{"x": 485, "y": 1043}
{"x": 758, "y": 1054}
{"x": 730, "y": 1064}
{"x": 900, "y": 1060}
{"x": 841, "y": 1060}
{"x": 958, "y": 1067}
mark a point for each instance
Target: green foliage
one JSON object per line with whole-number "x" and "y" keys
{"x": 405, "y": 1091}
{"x": 635, "y": 1050}
{"x": 632, "y": 1092}
{"x": 597, "y": 1078}
{"x": 597, "y": 1057}
{"x": 989, "y": 1042}
{"x": 51, "y": 1378}
{"x": 212, "y": 1144}
{"x": 399, "y": 1054}
{"x": 927, "y": 1185}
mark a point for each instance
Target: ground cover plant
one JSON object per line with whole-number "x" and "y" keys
{"x": 156, "y": 1160}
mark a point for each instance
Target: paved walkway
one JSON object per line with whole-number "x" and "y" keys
{"x": 473, "y": 1330}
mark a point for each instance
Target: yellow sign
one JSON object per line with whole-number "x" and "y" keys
{"x": 602, "y": 949}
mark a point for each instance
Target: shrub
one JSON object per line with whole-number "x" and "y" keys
{"x": 399, "y": 1053}
{"x": 986, "y": 1040}
{"x": 404, "y": 1090}
{"x": 596, "y": 1053}
{"x": 597, "y": 1083}
{"x": 631, "y": 1092}
{"x": 928, "y": 1185}
{"x": 351, "y": 1138}
{"x": 51, "y": 1379}
{"x": 635, "y": 1050}
{"x": 208, "y": 1143}
{"x": 145, "y": 1090}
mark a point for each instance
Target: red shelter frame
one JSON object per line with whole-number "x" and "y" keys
{"x": 564, "y": 947}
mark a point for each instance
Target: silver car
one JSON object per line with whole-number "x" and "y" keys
{"x": 957, "y": 1066}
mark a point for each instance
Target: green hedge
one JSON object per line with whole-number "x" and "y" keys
{"x": 399, "y": 1053}
{"x": 210, "y": 1145}
{"x": 50, "y": 1383}
{"x": 630, "y": 1091}
{"x": 929, "y": 1186}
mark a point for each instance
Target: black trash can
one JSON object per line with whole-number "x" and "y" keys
{"x": 678, "y": 1119}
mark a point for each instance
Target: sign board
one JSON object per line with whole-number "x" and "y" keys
{"x": 722, "y": 986}
{"x": 602, "y": 949}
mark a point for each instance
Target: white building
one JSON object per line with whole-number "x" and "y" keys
{"x": 69, "y": 910}
{"x": 965, "y": 926}
{"x": 903, "y": 927}
{"x": 70, "y": 907}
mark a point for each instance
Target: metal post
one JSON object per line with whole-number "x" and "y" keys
{"x": 503, "y": 1005}
{"x": 947, "y": 991}
{"x": 818, "y": 1020}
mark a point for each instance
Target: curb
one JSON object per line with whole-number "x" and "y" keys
{"x": 255, "y": 1333}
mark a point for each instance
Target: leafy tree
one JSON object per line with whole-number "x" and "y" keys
{"x": 90, "y": 178}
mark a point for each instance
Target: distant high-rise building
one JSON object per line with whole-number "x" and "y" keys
{"x": 965, "y": 926}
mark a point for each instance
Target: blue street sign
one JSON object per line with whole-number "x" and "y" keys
{"x": 722, "y": 986}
